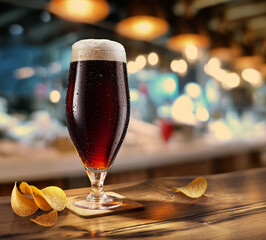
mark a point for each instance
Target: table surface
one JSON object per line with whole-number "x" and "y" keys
{"x": 233, "y": 207}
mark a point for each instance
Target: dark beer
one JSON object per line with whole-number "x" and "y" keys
{"x": 97, "y": 110}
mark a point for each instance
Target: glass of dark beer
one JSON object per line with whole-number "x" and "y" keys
{"x": 97, "y": 112}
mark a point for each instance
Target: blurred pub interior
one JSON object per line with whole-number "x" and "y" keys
{"x": 196, "y": 72}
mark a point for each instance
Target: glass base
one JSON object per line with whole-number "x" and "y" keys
{"x": 105, "y": 202}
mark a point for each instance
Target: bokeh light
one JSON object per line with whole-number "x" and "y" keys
{"x": 212, "y": 66}
{"x": 252, "y": 76}
{"x": 231, "y": 80}
{"x": 24, "y": 72}
{"x": 193, "y": 90}
{"x": 220, "y": 130}
{"x": 142, "y": 27}
{"x": 182, "y": 110}
{"x": 140, "y": 62}
{"x": 54, "y": 96}
{"x": 191, "y": 52}
{"x": 169, "y": 85}
{"x": 134, "y": 95}
{"x": 202, "y": 114}
{"x": 153, "y": 58}
{"x": 179, "y": 66}
{"x": 132, "y": 67}
{"x": 88, "y": 11}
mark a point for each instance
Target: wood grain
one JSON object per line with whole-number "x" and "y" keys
{"x": 234, "y": 207}
{"x": 127, "y": 205}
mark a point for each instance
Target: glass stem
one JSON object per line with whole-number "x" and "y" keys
{"x": 97, "y": 179}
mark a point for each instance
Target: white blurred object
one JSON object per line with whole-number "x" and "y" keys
{"x": 6, "y": 121}
{"x": 193, "y": 90}
{"x": 141, "y": 133}
{"x": 40, "y": 131}
{"x": 235, "y": 128}
{"x": 182, "y": 110}
{"x": 234, "y": 123}
{"x": 202, "y": 114}
{"x": 253, "y": 76}
{"x": 220, "y": 131}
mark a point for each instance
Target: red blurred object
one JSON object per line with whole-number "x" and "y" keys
{"x": 166, "y": 129}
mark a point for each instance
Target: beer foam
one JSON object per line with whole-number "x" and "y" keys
{"x": 98, "y": 49}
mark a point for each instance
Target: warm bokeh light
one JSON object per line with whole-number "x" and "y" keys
{"x": 212, "y": 66}
{"x": 79, "y": 7}
{"x": 220, "y": 130}
{"x": 89, "y": 11}
{"x": 202, "y": 114}
{"x": 231, "y": 80}
{"x": 179, "y": 66}
{"x": 191, "y": 52}
{"x": 153, "y": 58}
{"x": 169, "y": 85}
{"x": 214, "y": 63}
{"x": 180, "y": 114}
{"x": 137, "y": 65}
{"x": 252, "y": 76}
{"x": 184, "y": 102}
{"x": 193, "y": 90}
{"x": 142, "y": 27}
{"x": 182, "y": 110}
{"x": 134, "y": 95}
{"x": 228, "y": 79}
{"x": 132, "y": 67}
{"x": 220, "y": 74}
{"x": 54, "y": 96}
{"x": 179, "y": 42}
{"x": 24, "y": 72}
{"x": 140, "y": 62}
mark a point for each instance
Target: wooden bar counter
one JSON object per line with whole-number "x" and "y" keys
{"x": 233, "y": 207}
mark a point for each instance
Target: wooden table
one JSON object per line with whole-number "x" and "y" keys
{"x": 234, "y": 207}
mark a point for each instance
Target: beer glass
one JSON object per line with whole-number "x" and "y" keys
{"x": 97, "y": 112}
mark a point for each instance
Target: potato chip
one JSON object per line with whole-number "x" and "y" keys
{"x": 194, "y": 189}
{"x": 47, "y": 219}
{"x": 21, "y": 205}
{"x": 25, "y": 188}
{"x": 37, "y": 195}
{"x": 40, "y": 199}
{"x": 45, "y": 199}
{"x": 56, "y": 197}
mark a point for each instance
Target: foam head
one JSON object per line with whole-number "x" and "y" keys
{"x": 98, "y": 49}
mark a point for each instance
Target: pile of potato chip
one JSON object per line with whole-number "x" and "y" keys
{"x": 29, "y": 199}
{"x": 194, "y": 189}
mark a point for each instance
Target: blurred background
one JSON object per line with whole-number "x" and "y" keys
{"x": 197, "y": 86}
